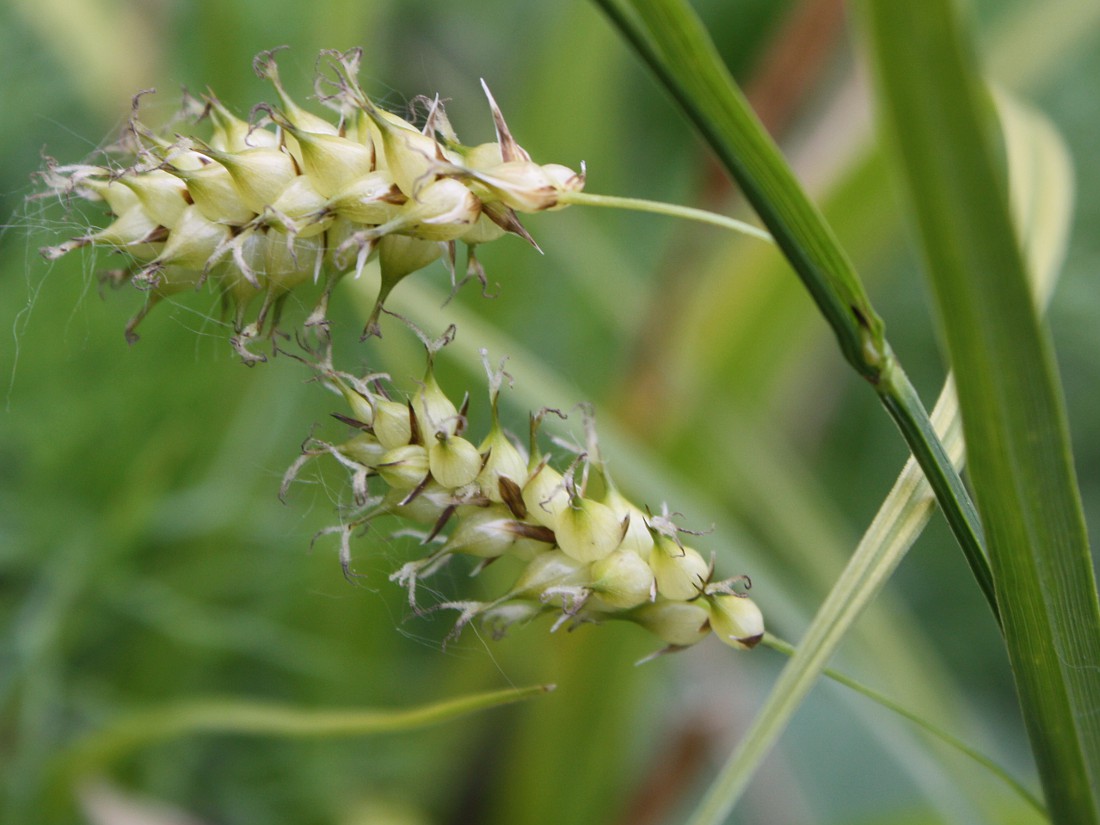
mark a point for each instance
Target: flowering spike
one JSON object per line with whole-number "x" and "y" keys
{"x": 585, "y": 560}
{"x": 370, "y": 187}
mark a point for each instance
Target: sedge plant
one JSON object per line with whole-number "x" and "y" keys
{"x": 285, "y": 201}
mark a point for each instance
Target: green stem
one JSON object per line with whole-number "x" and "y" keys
{"x": 904, "y": 405}
{"x": 662, "y": 208}
{"x": 997, "y": 770}
{"x": 674, "y": 43}
{"x": 678, "y": 50}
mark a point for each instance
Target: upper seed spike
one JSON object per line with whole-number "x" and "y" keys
{"x": 288, "y": 195}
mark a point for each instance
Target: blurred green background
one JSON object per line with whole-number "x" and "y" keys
{"x": 145, "y": 558}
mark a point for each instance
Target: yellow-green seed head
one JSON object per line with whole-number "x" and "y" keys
{"x": 373, "y": 185}
{"x": 585, "y": 559}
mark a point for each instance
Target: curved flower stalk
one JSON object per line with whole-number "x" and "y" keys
{"x": 587, "y": 553}
{"x": 260, "y": 209}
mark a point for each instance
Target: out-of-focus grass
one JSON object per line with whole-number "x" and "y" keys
{"x": 145, "y": 558}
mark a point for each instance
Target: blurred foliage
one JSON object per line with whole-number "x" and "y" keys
{"x": 144, "y": 556}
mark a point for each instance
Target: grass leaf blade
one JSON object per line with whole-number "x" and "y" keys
{"x": 1009, "y": 392}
